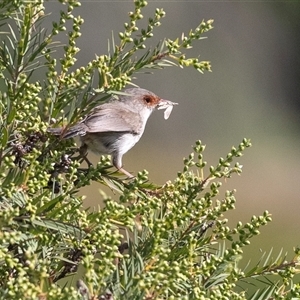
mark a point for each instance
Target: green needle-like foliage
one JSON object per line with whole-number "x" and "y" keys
{"x": 167, "y": 241}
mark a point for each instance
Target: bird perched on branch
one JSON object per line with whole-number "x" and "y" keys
{"x": 117, "y": 125}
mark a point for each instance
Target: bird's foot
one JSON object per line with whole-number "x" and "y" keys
{"x": 83, "y": 155}
{"x": 129, "y": 176}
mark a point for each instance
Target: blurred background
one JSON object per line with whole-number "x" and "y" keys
{"x": 252, "y": 92}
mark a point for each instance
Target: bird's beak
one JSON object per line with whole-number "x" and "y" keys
{"x": 167, "y": 105}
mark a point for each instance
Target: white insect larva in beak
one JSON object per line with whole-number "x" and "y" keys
{"x": 168, "y": 106}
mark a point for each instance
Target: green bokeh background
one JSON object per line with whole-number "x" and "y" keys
{"x": 252, "y": 92}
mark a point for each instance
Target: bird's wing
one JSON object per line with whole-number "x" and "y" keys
{"x": 112, "y": 118}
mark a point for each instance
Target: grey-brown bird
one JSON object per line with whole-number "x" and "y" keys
{"x": 117, "y": 125}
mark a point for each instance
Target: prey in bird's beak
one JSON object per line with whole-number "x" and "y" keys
{"x": 167, "y": 105}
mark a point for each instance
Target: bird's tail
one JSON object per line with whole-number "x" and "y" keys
{"x": 66, "y": 133}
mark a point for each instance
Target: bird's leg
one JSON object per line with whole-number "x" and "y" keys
{"x": 83, "y": 154}
{"x": 117, "y": 162}
{"x": 125, "y": 172}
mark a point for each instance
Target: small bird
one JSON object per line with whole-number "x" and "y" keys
{"x": 117, "y": 125}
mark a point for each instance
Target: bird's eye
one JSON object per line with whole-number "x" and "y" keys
{"x": 147, "y": 99}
